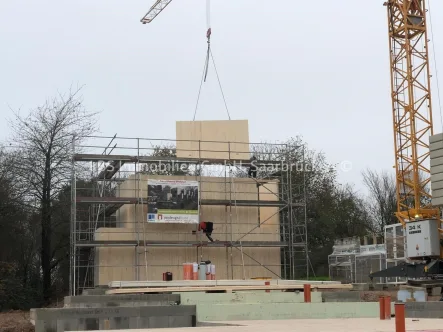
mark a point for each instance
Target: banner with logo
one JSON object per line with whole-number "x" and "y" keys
{"x": 173, "y": 201}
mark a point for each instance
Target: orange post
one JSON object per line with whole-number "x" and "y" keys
{"x": 307, "y": 293}
{"x": 400, "y": 325}
{"x": 267, "y": 283}
{"x": 387, "y": 307}
{"x": 381, "y": 302}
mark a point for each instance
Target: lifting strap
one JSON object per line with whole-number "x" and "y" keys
{"x": 207, "y": 60}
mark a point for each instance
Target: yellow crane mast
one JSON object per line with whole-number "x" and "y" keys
{"x": 411, "y": 107}
{"x": 412, "y": 115}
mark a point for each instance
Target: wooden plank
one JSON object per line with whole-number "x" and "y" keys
{"x": 219, "y": 139}
{"x": 222, "y": 288}
{"x": 211, "y": 283}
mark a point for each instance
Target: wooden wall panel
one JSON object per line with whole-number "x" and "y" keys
{"x": 229, "y": 223}
{"x": 214, "y": 137}
{"x": 119, "y": 263}
{"x": 113, "y": 263}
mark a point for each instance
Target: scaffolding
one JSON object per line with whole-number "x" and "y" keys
{"x": 102, "y": 164}
{"x": 395, "y": 240}
{"x": 352, "y": 262}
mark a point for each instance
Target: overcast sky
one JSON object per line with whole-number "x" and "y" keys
{"x": 319, "y": 69}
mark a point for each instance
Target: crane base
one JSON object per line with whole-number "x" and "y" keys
{"x": 431, "y": 270}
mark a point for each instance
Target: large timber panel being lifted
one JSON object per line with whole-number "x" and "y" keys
{"x": 436, "y": 157}
{"x": 217, "y": 139}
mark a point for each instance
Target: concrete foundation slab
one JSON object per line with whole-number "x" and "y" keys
{"x": 341, "y": 296}
{"x": 323, "y": 325}
{"x": 424, "y": 309}
{"x": 127, "y": 300}
{"x": 205, "y": 299}
{"x": 86, "y": 319}
{"x": 275, "y": 311}
{"x": 95, "y": 291}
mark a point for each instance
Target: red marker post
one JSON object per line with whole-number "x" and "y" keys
{"x": 307, "y": 293}
{"x": 387, "y": 307}
{"x": 381, "y": 302}
{"x": 400, "y": 324}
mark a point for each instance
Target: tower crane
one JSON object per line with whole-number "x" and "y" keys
{"x": 412, "y": 123}
{"x": 156, "y": 9}
{"x": 412, "y": 118}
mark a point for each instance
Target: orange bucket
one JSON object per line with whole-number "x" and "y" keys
{"x": 187, "y": 271}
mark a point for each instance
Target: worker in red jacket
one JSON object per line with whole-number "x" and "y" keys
{"x": 207, "y": 227}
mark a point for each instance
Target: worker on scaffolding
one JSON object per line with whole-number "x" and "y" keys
{"x": 206, "y": 227}
{"x": 252, "y": 172}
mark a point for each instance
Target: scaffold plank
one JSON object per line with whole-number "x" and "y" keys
{"x": 177, "y": 160}
{"x": 108, "y": 200}
{"x": 149, "y": 243}
{"x": 247, "y": 203}
{"x": 227, "y": 202}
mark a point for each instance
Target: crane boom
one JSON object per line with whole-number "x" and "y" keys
{"x": 411, "y": 106}
{"x": 156, "y": 9}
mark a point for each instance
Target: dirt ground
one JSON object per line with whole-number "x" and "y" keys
{"x": 15, "y": 321}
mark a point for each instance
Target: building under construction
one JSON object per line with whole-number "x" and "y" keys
{"x": 251, "y": 195}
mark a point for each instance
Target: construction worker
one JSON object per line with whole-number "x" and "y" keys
{"x": 207, "y": 227}
{"x": 252, "y": 172}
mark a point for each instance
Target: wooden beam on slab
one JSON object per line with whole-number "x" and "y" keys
{"x": 207, "y": 283}
{"x": 223, "y": 288}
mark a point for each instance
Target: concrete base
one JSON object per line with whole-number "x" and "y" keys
{"x": 278, "y": 305}
{"x": 274, "y": 311}
{"x": 209, "y": 299}
{"x": 130, "y": 300}
{"x": 87, "y": 319}
{"x": 95, "y": 291}
{"x": 424, "y": 309}
{"x": 349, "y": 296}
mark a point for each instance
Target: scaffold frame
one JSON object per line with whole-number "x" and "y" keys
{"x": 101, "y": 163}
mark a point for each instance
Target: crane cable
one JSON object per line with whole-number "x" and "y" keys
{"x": 209, "y": 56}
{"x": 208, "y": 35}
{"x": 435, "y": 63}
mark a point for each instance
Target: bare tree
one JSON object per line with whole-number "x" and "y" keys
{"x": 165, "y": 167}
{"x": 382, "y": 200}
{"x": 43, "y": 139}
